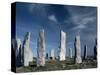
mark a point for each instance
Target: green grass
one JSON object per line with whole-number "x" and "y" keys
{"x": 58, "y": 65}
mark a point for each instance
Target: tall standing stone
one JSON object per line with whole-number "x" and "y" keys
{"x": 52, "y": 56}
{"x": 95, "y": 49}
{"x": 41, "y": 49}
{"x": 85, "y": 52}
{"x": 18, "y": 53}
{"x": 70, "y": 53}
{"x": 13, "y": 54}
{"x": 16, "y": 46}
{"x": 77, "y": 46}
{"x": 62, "y": 48}
{"x": 18, "y": 42}
{"x": 27, "y": 52}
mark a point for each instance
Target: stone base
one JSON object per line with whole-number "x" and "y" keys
{"x": 78, "y": 60}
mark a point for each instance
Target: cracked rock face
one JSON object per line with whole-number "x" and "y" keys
{"x": 62, "y": 49}
{"x": 27, "y": 52}
{"x": 41, "y": 49}
{"x": 77, "y": 50}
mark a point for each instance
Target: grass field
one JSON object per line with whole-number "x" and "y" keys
{"x": 58, "y": 65}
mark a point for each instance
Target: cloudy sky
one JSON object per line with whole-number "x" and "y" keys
{"x": 74, "y": 20}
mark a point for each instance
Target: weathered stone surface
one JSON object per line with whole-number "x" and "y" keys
{"x": 27, "y": 52}
{"x": 62, "y": 48}
{"x": 70, "y": 53}
{"x": 52, "y": 56}
{"x": 18, "y": 41}
{"x": 13, "y": 54}
{"x": 77, "y": 50}
{"x": 30, "y": 55}
{"x": 18, "y": 53}
{"x": 41, "y": 49}
{"x": 14, "y": 44}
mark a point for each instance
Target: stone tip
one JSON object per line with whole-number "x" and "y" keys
{"x": 28, "y": 33}
{"x": 70, "y": 48}
{"x": 77, "y": 37}
{"x": 61, "y": 30}
{"x": 52, "y": 48}
{"x": 41, "y": 30}
{"x": 18, "y": 39}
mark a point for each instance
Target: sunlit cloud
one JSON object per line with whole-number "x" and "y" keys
{"x": 52, "y": 18}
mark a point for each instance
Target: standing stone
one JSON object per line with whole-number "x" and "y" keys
{"x": 13, "y": 54}
{"x": 70, "y": 53}
{"x": 18, "y": 42}
{"x": 30, "y": 55}
{"x": 85, "y": 52}
{"x": 52, "y": 57}
{"x": 95, "y": 49}
{"x": 62, "y": 48}
{"x": 47, "y": 56}
{"x": 18, "y": 53}
{"x": 27, "y": 52}
{"x": 41, "y": 49}
{"x": 14, "y": 44}
{"x": 77, "y": 46}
